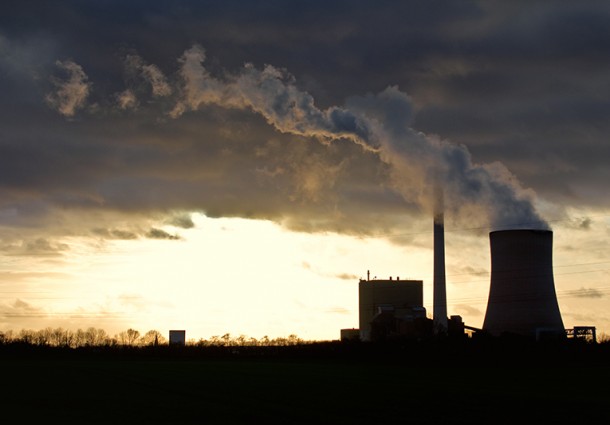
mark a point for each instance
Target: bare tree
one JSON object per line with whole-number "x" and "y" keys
{"x": 27, "y": 336}
{"x": 294, "y": 340}
{"x": 8, "y": 336}
{"x": 152, "y": 337}
{"x": 96, "y": 337}
{"x": 60, "y": 337}
{"x": 42, "y": 336}
{"x": 129, "y": 337}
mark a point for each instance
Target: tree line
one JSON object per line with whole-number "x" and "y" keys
{"x": 97, "y": 337}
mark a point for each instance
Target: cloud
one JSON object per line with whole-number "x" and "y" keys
{"x": 347, "y": 276}
{"x": 468, "y": 310}
{"x": 465, "y": 85}
{"x": 115, "y": 234}
{"x": 377, "y": 123}
{"x": 36, "y": 247}
{"x": 155, "y": 233}
{"x": 137, "y": 68}
{"x": 157, "y": 80}
{"x": 183, "y": 221}
{"x": 338, "y": 310}
{"x": 587, "y": 293}
{"x": 72, "y": 91}
{"x": 127, "y": 100}
{"x": 580, "y": 223}
{"x": 20, "y": 310}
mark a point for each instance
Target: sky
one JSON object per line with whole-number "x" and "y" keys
{"x": 236, "y": 166}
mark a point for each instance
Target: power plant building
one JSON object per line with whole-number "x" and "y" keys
{"x": 390, "y": 308}
{"x": 522, "y": 298}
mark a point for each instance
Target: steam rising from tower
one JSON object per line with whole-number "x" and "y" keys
{"x": 378, "y": 123}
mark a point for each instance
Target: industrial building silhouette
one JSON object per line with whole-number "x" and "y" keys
{"x": 394, "y": 309}
{"x": 391, "y": 307}
{"x": 522, "y": 299}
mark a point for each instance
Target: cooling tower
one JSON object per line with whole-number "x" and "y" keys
{"x": 522, "y": 298}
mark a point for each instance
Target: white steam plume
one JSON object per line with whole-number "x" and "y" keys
{"x": 271, "y": 93}
{"x": 379, "y": 123}
{"x": 71, "y": 93}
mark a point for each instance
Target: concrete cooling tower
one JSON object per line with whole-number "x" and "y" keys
{"x": 522, "y": 298}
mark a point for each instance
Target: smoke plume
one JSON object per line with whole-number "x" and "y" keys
{"x": 379, "y": 123}
{"x": 137, "y": 68}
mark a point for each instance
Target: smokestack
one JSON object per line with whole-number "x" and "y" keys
{"x": 439, "y": 299}
{"x": 522, "y": 298}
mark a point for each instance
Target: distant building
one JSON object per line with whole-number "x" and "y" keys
{"x": 392, "y": 308}
{"x": 177, "y": 337}
{"x": 350, "y": 334}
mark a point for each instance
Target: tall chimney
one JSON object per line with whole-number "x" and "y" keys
{"x": 439, "y": 310}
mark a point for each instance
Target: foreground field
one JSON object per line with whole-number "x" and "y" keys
{"x": 332, "y": 384}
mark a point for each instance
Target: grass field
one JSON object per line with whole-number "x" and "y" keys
{"x": 305, "y": 387}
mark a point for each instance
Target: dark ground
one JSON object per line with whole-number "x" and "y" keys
{"x": 317, "y": 383}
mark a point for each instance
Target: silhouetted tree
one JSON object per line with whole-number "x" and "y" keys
{"x": 152, "y": 337}
{"x": 128, "y": 337}
{"x": 60, "y": 337}
{"x": 96, "y": 337}
{"x": 215, "y": 340}
{"x": 26, "y": 336}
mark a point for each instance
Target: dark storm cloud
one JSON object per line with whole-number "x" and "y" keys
{"x": 504, "y": 86}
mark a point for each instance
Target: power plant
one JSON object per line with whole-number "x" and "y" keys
{"x": 522, "y": 300}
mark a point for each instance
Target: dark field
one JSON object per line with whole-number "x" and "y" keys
{"x": 329, "y": 383}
